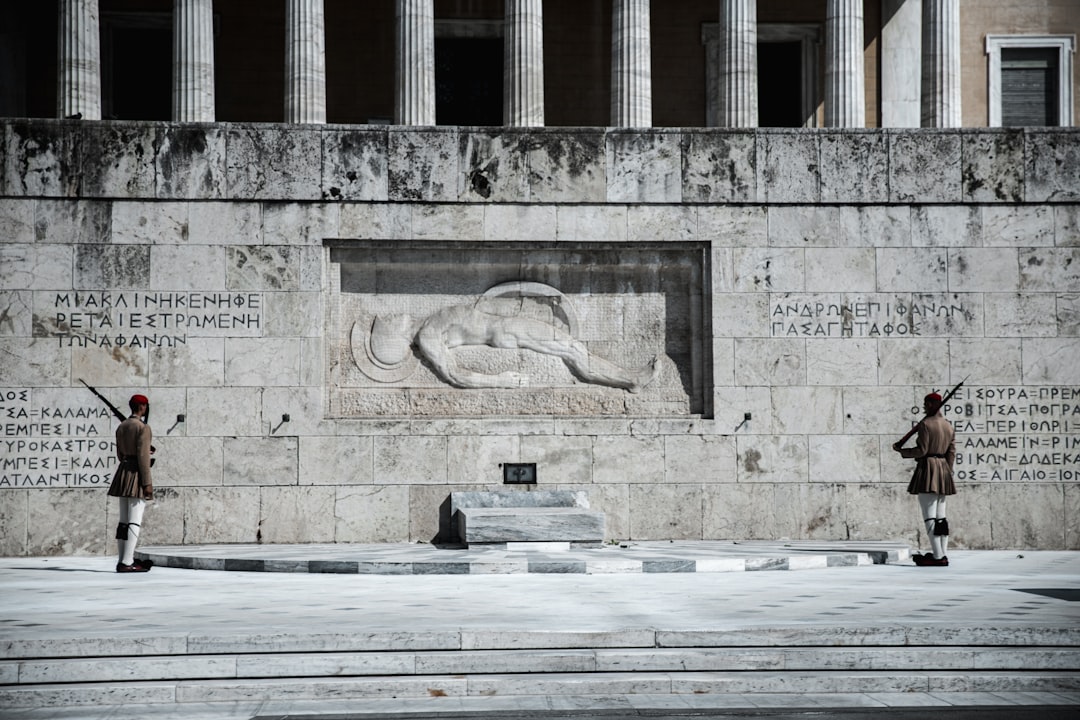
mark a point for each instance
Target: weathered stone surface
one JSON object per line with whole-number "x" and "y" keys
{"x": 854, "y": 167}
{"x": 875, "y": 226}
{"x": 410, "y": 460}
{"x": 260, "y": 461}
{"x": 946, "y": 226}
{"x": 355, "y": 164}
{"x": 770, "y": 361}
{"x": 1017, "y": 226}
{"x": 776, "y": 459}
{"x": 922, "y": 270}
{"x": 16, "y": 313}
{"x": 494, "y": 166}
{"x": 643, "y": 167}
{"x": 769, "y": 270}
{"x": 17, "y": 219}
{"x": 1049, "y": 269}
{"x": 33, "y": 267}
{"x": 187, "y": 461}
{"x": 63, "y": 221}
{"x": 221, "y": 515}
{"x": 297, "y": 514}
{"x": 993, "y": 166}
{"x": 984, "y": 270}
{"x": 123, "y": 267}
{"x": 567, "y": 166}
{"x": 925, "y": 166}
{"x": 66, "y": 521}
{"x": 1052, "y": 166}
{"x": 804, "y": 226}
{"x": 274, "y": 163}
{"x": 14, "y": 518}
{"x": 1021, "y": 315}
{"x": 719, "y": 167}
{"x": 1051, "y": 361}
{"x": 789, "y": 167}
{"x": 191, "y": 162}
{"x": 366, "y": 514}
{"x": 665, "y": 511}
{"x": 42, "y": 158}
{"x": 422, "y": 164}
{"x": 118, "y": 159}
{"x": 189, "y": 267}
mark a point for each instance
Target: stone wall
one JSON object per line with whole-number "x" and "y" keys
{"x": 840, "y": 275}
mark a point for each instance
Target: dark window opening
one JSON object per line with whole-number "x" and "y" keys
{"x": 1029, "y": 87}
{"x": 137, "y": 66}
{"x": 468, "y": 81}
{"x": 780, "y": 84}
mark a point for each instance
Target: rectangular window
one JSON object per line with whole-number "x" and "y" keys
{"x": 1029, "y": 91}
{"x": 1030, "y": 80}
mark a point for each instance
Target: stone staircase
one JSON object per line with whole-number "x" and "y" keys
{"x": 188, "y": 669}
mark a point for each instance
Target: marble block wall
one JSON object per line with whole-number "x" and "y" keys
{"x": 843, "y": 274}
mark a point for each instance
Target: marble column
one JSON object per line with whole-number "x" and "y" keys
{"x": 901, "y": 50}
{"x": 305, "y": 62}
{"x": 940, "y": 96}
{"x": 738, "y": 64}
{"x": 79, "y": 60}
{"x": 193, "y": 60}
{"x": 523, "y": 63}
{"x": 414, "y": 102}
{"x": 631, "y": 64}
{"x": 845, "y": 94}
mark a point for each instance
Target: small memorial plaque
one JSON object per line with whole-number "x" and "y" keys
{"x": 519, "y": 473}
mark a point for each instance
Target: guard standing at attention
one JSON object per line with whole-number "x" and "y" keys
{"x": 932, "y": 481}
{"x": 132, "y": 484}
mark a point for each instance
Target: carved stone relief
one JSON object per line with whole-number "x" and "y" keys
{"x": 430, "y": 329}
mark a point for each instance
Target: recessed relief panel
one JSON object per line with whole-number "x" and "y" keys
{"x": 461, "y": 329}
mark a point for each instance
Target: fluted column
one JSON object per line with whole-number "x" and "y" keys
{"x": 415, "y": 100}
{"x": 523, "y": 63}
{"x": 631, "y": 64}
{"x": 79, "y": 60}
{"x": 305, "y": 62}
{"x": 193, "y": 60}
{"x": 940, "y": 96}
{"x": 845, "y": 94}
{"x": 738, "y": 64}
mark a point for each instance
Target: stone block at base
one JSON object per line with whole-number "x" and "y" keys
{"x": 530, "y": 524}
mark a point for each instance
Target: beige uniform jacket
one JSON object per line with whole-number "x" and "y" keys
{"x": 935, "y": 450}
{"x": 132, "y": 478}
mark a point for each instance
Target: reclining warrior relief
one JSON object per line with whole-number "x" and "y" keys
{"x": 390, "y": 348}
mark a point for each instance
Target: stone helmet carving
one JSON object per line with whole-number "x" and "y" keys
{"x": 391, "y": 339}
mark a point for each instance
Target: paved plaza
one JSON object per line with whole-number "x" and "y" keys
{"x": 72, "y": 606}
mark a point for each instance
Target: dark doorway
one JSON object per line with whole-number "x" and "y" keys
{"x": 137, "y": 66}
{"x": 468, "y": 81}
{"x": 780, "y": 84}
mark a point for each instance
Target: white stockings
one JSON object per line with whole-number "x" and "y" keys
{"x": 127, "y": 532}
{"x": 937, "y": 529}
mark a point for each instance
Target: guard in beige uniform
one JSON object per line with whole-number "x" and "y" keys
{"x": 132, "y": 483}
{"x": 932, "y": 481}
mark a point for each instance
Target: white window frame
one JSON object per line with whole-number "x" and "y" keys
{"x": 1065, "y": 46}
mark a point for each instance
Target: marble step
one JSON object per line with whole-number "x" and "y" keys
{"x": 296, "y": 665}
{"x": 784, "y": 636}
{"x": 532, "y": 684}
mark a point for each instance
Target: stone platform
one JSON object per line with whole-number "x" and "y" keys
{"x": 684, "y": 556}
{"x": 80, "y": 642}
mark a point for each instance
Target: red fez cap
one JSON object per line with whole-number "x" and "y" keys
{"x": 934, "y": 398}
{"x": 139, "y": 400}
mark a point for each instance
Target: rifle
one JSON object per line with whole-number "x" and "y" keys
{"x": 915, "y": 428}
{"x": 116, "y": 411}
